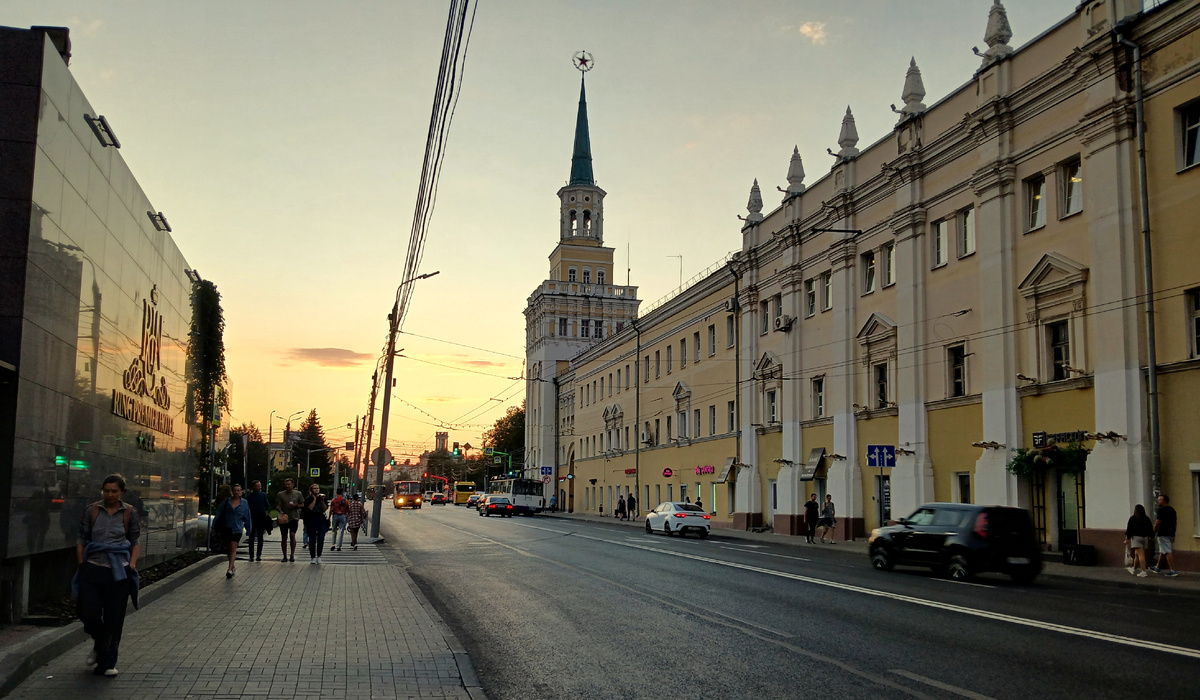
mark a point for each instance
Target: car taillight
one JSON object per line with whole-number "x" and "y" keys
{"x": 680, "y": 515}
{"x": 508, "y": 507}
{"x": 707, "y": 516}
{"x": 981, "y": 525}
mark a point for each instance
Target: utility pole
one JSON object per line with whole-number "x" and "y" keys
{"x": 369, "y": 420}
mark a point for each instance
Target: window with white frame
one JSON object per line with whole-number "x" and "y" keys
{"x": 585, "y": 328}
{"x": 696, "y": 346}
{"x": 1058, "y": 340}
{"x": 712, "y": 340}
{"x": 668, "y": 428}
{"x": 966, "y": 232}
{"x": 562, "y": 326}
{"x": 599, "y": 276}
{"x": 712, "y": 419}
{"x": 777, "y": 302}
{"x": 732, "y": 416}
{"x": 571, "y": 274}
{"x": 826, "y": 291}
{"x": 657, "y": 364}
{"x": 880, "y": 376}
{"x": 619, "y": 381}
{"x": 810, "y": 298}
{"x": 940, "y": 242}
{"x": 682, "y": 353}
{"x": 647, "y": 372}
{"x": 730, "y": 331}
{"x": 1035, "y": 202}
{"x": 670, "y": 354}
{"x": 627, "y": 378}
{"x": 598, "y": 328}
{"x": 587, "y": 275}
{"x": 696, "y": 423}
{"x": 868, "y": 272}
{"x": 764, "y": 316}
{"x": 889, "y": 264}
{"x": 956, "y": 370}
{"x": 818, "y": 397}
{"x": 1070, "y": 175}
{"x": 1188, "y": 119}
{"x": 772, "y": 408}
{"x": 1193, "y": 296}
{"x": 683, "y": 425}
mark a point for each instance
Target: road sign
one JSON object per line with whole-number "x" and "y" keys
{"x": 487, "y": 451}
{"x": 497, "y": 460}
{"x": 545, "y": 479}
{"x": 547, "y": 470}
{"x": 345, "y": 480}
{"x": 668, "y": 473}
{"x": 314, "y": 472}
{"x": 381, "y": 455}
{"x": 879, "y": 456}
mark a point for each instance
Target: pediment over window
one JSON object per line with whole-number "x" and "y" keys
{"x": 1052, "y": 274}
{"x": 681, "y": 391}
{"x": 877, "y": 328}
{"x": 767, "y": 363}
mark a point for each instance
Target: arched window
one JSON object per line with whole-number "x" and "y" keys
{"x": 574, "y": 227}
{"x": 587, "y": 222}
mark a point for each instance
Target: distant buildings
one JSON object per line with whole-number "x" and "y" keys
{"x": 966, "y": 286}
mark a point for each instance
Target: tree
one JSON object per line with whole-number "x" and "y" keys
{"x": 256, "y": 461}
{"x": 205, "y": 372}
{"x": 312, "y": 437}
{"x": 508, "y": 433}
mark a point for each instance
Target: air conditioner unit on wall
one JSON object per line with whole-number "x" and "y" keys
{"x": 731, "y": 304}
{"x": 783, "y": 323}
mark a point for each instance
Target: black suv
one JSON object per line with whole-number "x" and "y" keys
{"x": 962, "y": 540}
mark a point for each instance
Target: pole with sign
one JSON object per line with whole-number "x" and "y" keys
{"x": 881, "y": 456}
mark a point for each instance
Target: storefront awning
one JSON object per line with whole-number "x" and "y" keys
{"x": 809, "y": 468}
{"x": 725, "y": 470}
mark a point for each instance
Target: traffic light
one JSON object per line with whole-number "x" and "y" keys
{"x": 457, "y": 452}
{"x": 425, "y": 475}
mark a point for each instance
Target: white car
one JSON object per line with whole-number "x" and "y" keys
{"x": 670, "y": 518}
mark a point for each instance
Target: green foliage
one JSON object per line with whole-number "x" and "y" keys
{"x": 312, "y": 437}
{"x": 508, "y": 433}
{"x": 1071, "y": 459}
{"x": 205, "y": 372}
{"x": 255, "y": 461}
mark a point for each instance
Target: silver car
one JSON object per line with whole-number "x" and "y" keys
{"x": 671, "y": 517}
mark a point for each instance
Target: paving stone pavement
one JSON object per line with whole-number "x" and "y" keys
{"x": 277, "y": 630}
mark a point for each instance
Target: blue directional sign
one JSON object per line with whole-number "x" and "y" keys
{"x": 547, "y": 471}
{"x": 881, "y": 456}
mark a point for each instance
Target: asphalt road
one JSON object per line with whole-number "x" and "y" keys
{"x": 554, "y": 608}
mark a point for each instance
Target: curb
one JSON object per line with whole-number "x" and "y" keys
{"x": 19, "y": 663}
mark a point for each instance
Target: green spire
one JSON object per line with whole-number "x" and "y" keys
{"x": 581, "y": 159}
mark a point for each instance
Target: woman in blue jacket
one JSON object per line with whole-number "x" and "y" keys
{"x": 233, "y": 517}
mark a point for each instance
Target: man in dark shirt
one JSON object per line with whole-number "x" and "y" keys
{"x": 1164, "y": 529}
{"x": 260, "y": 518}
{"x": 107, "y": 551}
{"x": 811, "y": 515}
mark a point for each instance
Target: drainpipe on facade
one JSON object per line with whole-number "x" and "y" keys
{"x": 637, "y": 415}
{"x": 1147, "y": 272}
{"x": 737, "y": 375}
{"x": 557, "y": 450}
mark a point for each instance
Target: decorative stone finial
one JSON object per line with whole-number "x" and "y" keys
{"x": 755, "y": 205}
{"x": 848, "y": 137}
{"x": 997, "y": 35}
{"x": 914, "y": 90}
{"x": 795, "y": 176}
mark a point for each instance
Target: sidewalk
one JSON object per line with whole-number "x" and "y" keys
{"x": 1186, "y": 583}
{"x": 354, "y": 627}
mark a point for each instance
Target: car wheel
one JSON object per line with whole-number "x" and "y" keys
{"x": 649, "y": 530}
{"x": 881, "y": 559}
{"x": 958, "y": 569}
{"x": 704, "y": 534}
{"x": 666, "y": 528}
{"x": 1023, "y": 575}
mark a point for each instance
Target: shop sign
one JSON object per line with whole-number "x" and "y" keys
{"x": 142, "y": 378}
{"x": 631, "y": 471}
{"x": 1043, "y": 439}
{"x": 668, "y": 473}
{"x": 707, "y": 469}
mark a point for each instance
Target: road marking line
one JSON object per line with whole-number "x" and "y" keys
{"x": 766, "y": 554}
{"x": 963, "y": 583}
{"x": 948, "y": 607}
{"x": 940, "y": 685}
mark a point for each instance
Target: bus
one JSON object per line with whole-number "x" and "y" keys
{"x": 407, "y": 494}
{"x": 528, "y": 496}
{"x": 463, "y": 490}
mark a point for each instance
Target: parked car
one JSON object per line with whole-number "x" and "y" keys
{"x": 439, "y": 499}
{"x": 961, "y": 540}
{"x": 671, "y": 517}
{"x": 496, "y": 505}
{"x": 474, "y": 500}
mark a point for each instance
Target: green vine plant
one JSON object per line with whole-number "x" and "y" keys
{"x": 1071, "y": 459}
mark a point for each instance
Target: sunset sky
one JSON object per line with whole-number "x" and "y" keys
{"x": 283, "y": 141}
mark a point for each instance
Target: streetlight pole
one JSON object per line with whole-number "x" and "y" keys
{"x": 393, "y": 328}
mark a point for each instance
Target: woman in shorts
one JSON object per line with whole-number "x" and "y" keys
{"x": 1137, "y": 531}
{"x": 828, "y": 519}
{"x": 233, "y": 517}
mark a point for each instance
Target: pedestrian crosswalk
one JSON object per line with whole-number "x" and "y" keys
{"x": 365, "y": 555}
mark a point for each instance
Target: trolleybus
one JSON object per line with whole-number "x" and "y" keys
{"x": 462, "y": 492}
{"x": 528, "y": 496}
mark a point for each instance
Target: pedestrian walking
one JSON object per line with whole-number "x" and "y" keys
{"x": 233, "y": 519}
{"x": 553, "y": 503}
{"x": 356, "y": 517}
{"x": 812, "y": 511}
{"x": 315, "y": 523}
{"x": 1164, "y": 530}
{"x": 107, "y": 553}
{"x": 631, "y": 505}
{"x": 828, "y": 520}
{"x": 1137, "y": 531}
{"x": 289, "y": 501}
{"x": 339, "y": 507}
{"x": 260, "y": 519}
{"x": 699, "y": 504}
{"x": 621, "y": 507}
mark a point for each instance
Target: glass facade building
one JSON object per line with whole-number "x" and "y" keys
{"x": 95, "y": 315}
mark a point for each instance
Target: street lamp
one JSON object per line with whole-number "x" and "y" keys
{"x": 393, "y": 328}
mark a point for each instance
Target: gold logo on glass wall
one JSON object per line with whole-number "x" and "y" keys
{"x": 142, "y": 376}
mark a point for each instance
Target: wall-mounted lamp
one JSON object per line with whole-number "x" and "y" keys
{"x": 1071, "y": 370}
{"x": 1023, "y": 378}
{"x": 159, "y": 221}
{"x": 991, "y": 445}
{"x": 104, "y": 133}
{"x": 837, "y": 457}
{"x": 902, "y": 451}
{"x": 1110, "y": 435}
{"x": 788, "y": 462}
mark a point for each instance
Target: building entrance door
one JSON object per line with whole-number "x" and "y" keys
{"x": 1070, "y": 508}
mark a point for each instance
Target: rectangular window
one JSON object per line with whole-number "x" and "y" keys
{"x": 956, "y": 362}
{"x": 571, "y": 274}
{"x": 683, "y": 424}
{"x": 562, "y": 327}
{"x": 627, "y": 379}
{"x": 881, "y": 385}
{"x": 1189, "y": 128}
{"x": 1035, "y": 202}
{"x": 889, "y": 264}
{"x": 810, "y": 298}
{"x": 732, "y": 417}
{"x": 657, "y": 364}
{"x": 868, "y": 268}
{"x": 941, "y": 245}
{"x": 587, "y": 275}
{"x": 1194, "y": 322}
{"x": 657, "y": 424}
{"x": 772, "y": 408}
{"x": 827, "y": 291}
{"x": 585, "y": 328}
{"x": 1060, "y": 350}
{"x": 683, "y": 353}
{"x": 963, "y": 482}
{"x": 778, "y": 303}
{"x": 712, "y": 498}
{"x": 647, "y": 373}
{"x": 598, "y": 328}
{"x": 712, "y": 419}
{"x": 696, "y": 346}
{"x": 712, "y": 340}
{"x": 966, "y": 232}
{"x": 668, "y": 428}
{"x": 818, "y": 397}
{"x": 599, "y": 276}
{"x": 696, "y": 423}
{"x": 670, "y": 352}
{"x": 764, "y": 316}
{"x": 618, "y": 381}
{"x": 1071, "y": 174}
{"x": 627, "y": 437}
{"x": 730, "y": 331}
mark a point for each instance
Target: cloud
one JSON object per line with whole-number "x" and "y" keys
{"x": 481, "y": 363}
{"x": 814, "y": 32}
{"x": 438, "y": 399}
{"x": 328, "y": 357}
{"x": 90, "y": 28}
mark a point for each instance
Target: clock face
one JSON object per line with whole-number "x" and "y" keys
{"x": 583, "y": 61}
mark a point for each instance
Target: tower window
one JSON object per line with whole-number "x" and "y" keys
{"x": 574, "y": 224}
{"x": 587, "y": 222}
{"x": 562, "y": 326}
{"x": 587, "y": 275}
{"x": 600, "y": 277}
{"x": 572, "y": 275}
